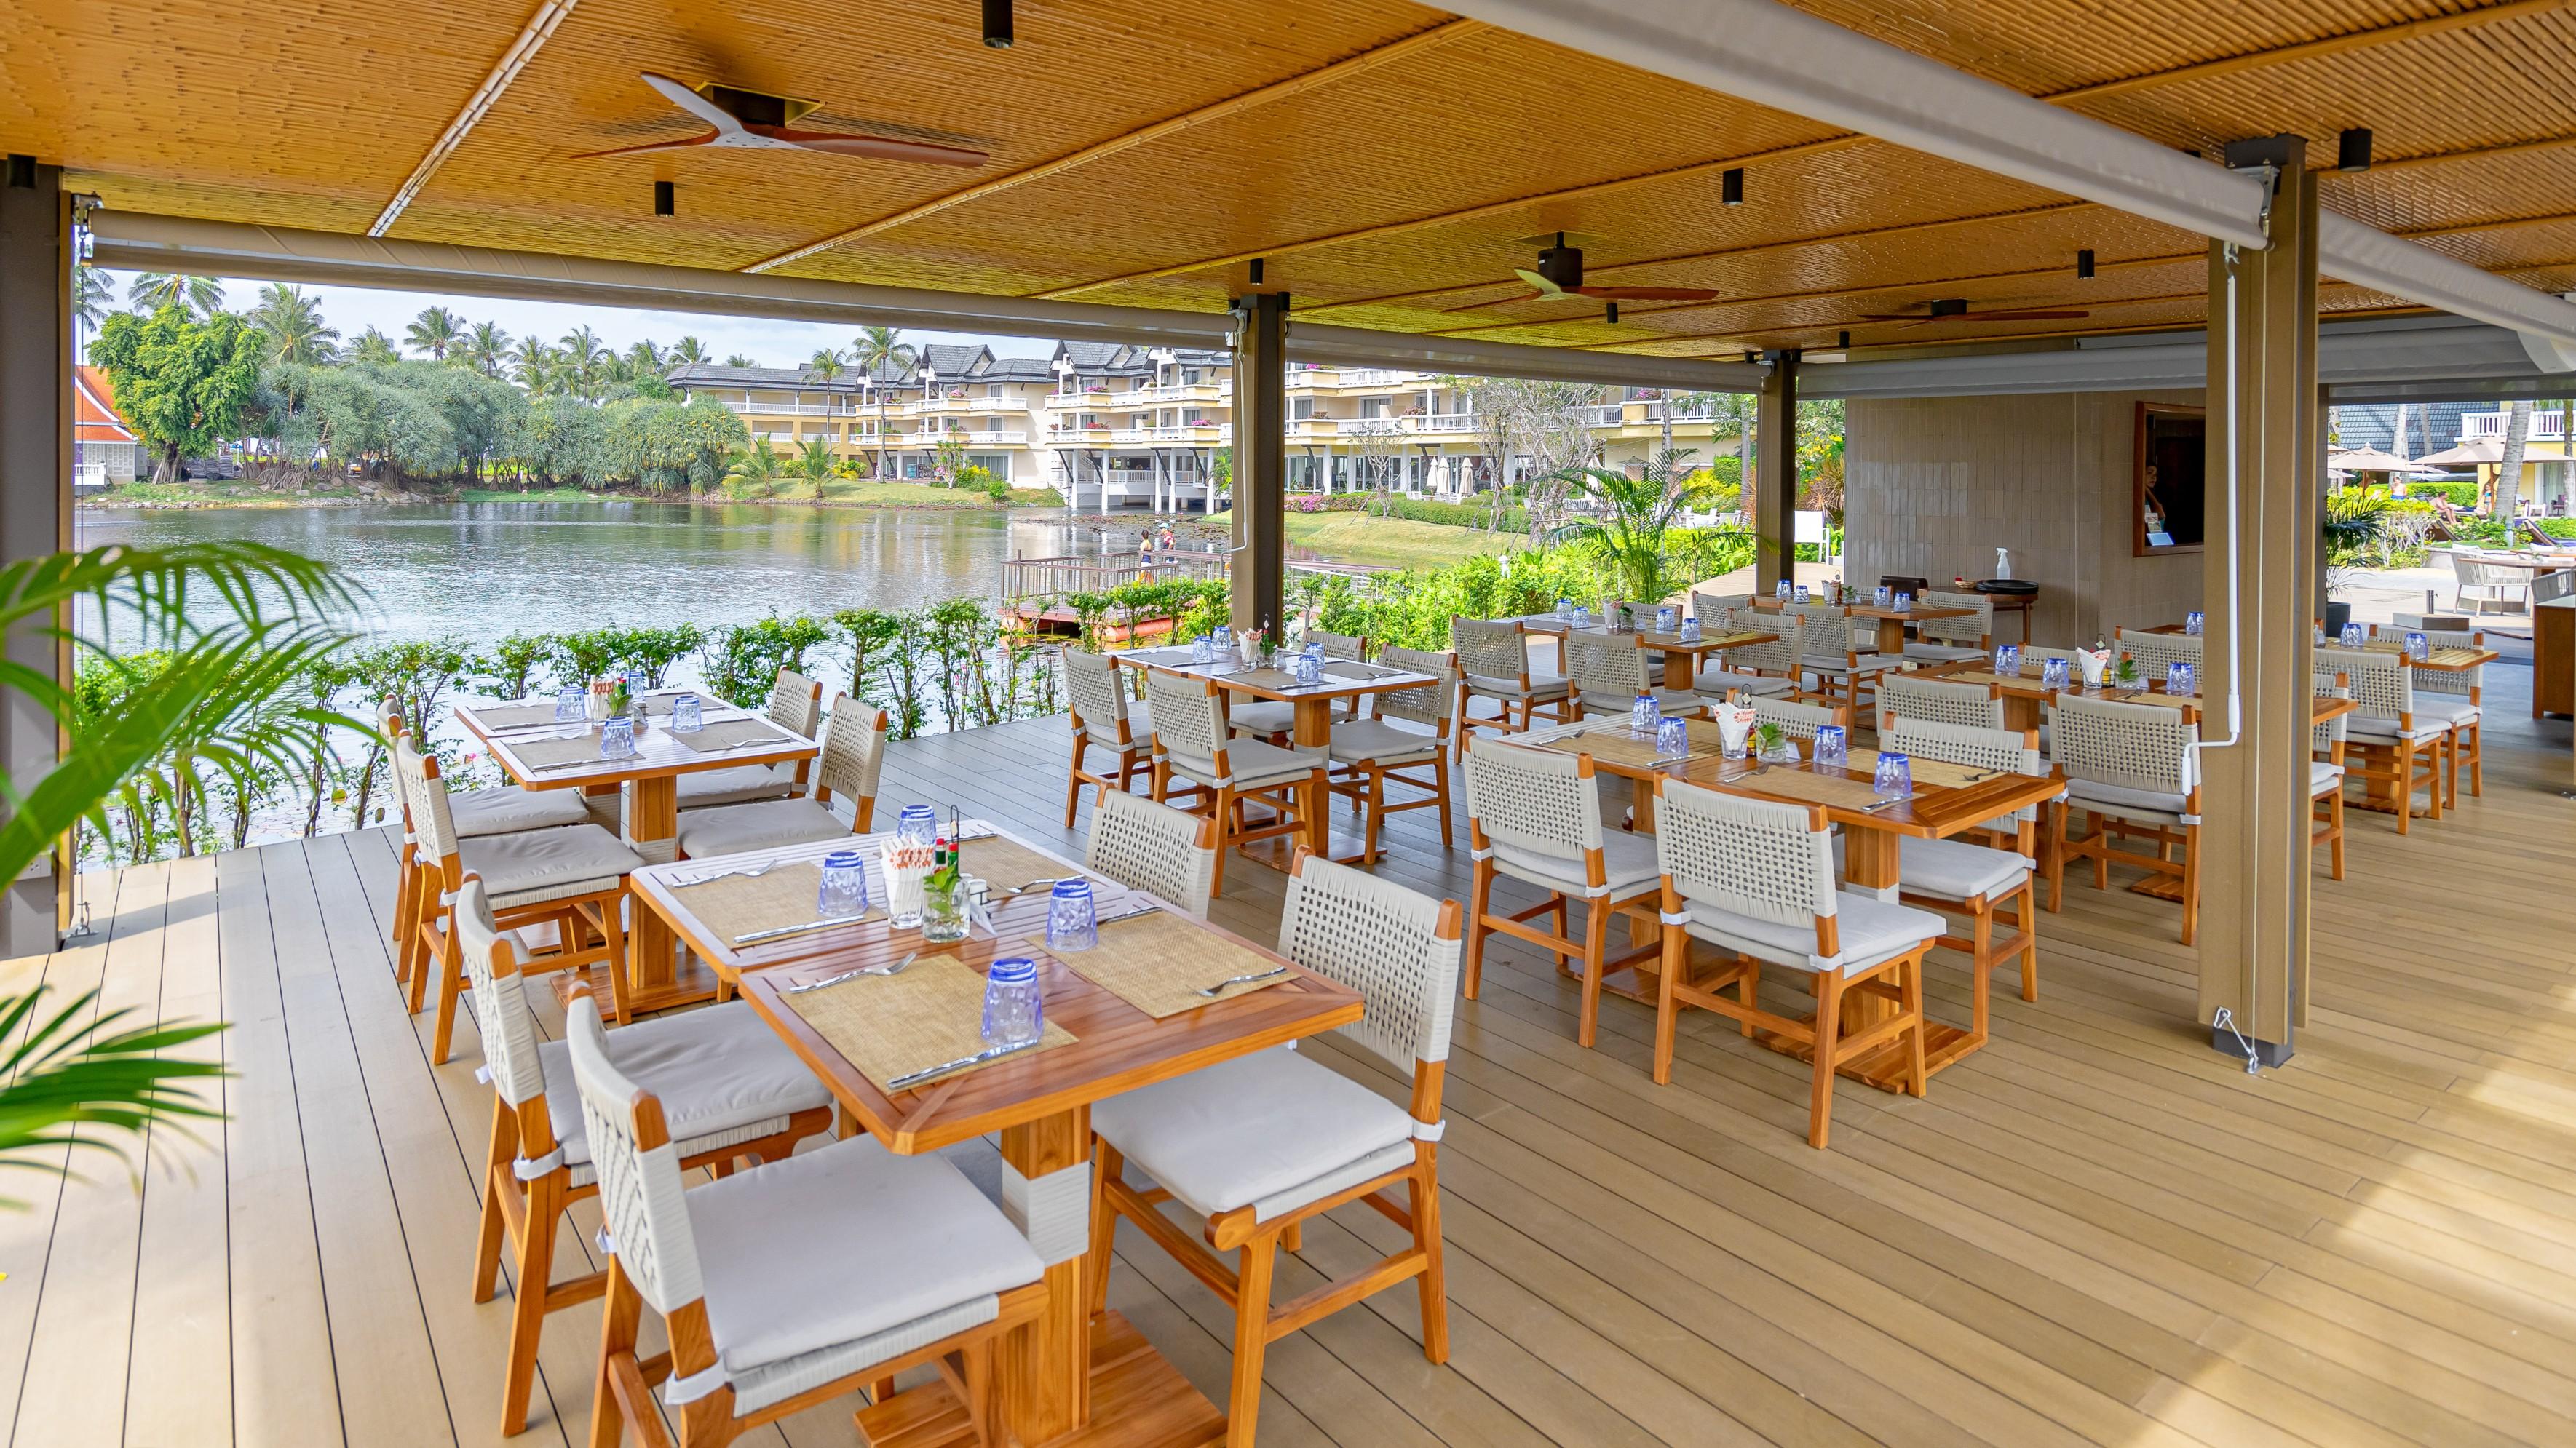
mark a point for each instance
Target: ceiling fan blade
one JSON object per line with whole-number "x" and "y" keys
{"x": 1545, "y": 287}
{"x": 692, "y": 102}
{"x": 2022, "y": 314}
{"x": 1650, "y": 294}
{"x": 878, "y": 148}
{"x": 706, "y": 140}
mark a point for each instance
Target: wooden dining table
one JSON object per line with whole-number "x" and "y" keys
{"x": 648, "y": 790}
{"x": 1891, "y": 621}
{"x": 1064, "y": 1379}
{"x": 1681, "y": 656}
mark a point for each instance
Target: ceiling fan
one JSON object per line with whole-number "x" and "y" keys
{"x": 743, "y": 118}
{"x": 1560, "y": 274}
{"x": 1955, "y": 309}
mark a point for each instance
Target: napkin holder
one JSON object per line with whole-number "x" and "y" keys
{"x": 2096, "y": 664}
{"x": 1734, "y": 726}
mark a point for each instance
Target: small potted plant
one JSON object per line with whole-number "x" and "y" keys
{"x": 2127, "y": 673}
{"x": 1774, "y": 744}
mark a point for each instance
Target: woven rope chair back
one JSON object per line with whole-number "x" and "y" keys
{"x": 1338, "y": 646}
{"x": 2450, "y": 683}
{"x": 853, "y": 750}
{"x": 431, "y": 819}
{"x": 2033, "y": 656}
{"x": 1091, "y": 682}
{"x": 1489, "y": 649}
{"x": 1940, "y": 701}
{"x": 1151, "y": 847}
{"x": 1533, "y": 799}
{"x": 2131, "y": 746}
{"x": 500, "y": 1001}
{"x": 1434, "y": 704}
{"x": 1751, "y": 856}
{"x": 1608, "y": 670}
{"x": 1974, "y": 745}
{"x": 1382, "y": 940}
{"x": 1798, "y": 721}
{"x": 2327, "y": 685}
{"x": 2383, "y": 687}
{"x": 1714, "y": 609}
{"x": 1968, "y": 630}
{"x": 1187, "y": 720}
{"x": 796, "y": 703}
{"x": 1829, "y": 630}
{"x": 1780, "y": 656}
{"x": 639, "y": 1190}
{"x": 2156, "y": 652}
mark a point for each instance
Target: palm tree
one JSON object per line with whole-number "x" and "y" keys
{"x": 739, "y": 360}
{"x": 93, "y": 297}
{"x": 759, "y": 465}
{"x": 1636, "y": 515}
{"x": 532, "y": 364}
{"x": 436, "y": 331}
{"x": 882, "y": 349}
{"x": 687, "y": 351}
{"x": 584, "y": 361}
{"x": 826, "y": 365}
{"x": 151, "y": 291}
{"x": 487, "y": 348}
{"x": 290, "y": 320}
{"x": 815, "y": 461}
{"x": 646, "y": 359}
{"x": 374, "y": 346}
{"x": 2508, "y": 488}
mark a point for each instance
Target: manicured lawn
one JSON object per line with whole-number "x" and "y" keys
{"x": 1392, "y": 542}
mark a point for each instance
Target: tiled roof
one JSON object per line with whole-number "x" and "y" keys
{"x": 707, "y": 374}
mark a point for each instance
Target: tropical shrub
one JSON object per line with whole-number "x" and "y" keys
{"x": 740, "y": 663}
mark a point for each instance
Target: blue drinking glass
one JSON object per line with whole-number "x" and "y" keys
{"x": 2178, "y": 679}
{"x": 917, "y": 824}
{"x": 2193, "y": 621}
{"x": 1895, "y": 776}
{"x": 688, "y": 716}
{"x": 1565, "y": 610}
{"x": 1802, "y": 594}
{"x": 2418, "y": 647}
{"x": 1885, "y": 595}
{"x": 1832, "y": 746}
{"x": 617, "y": 738}
{"x": 1690, "y": 630}
{"x": 1072, "y": 923}
{"x": 1904, "y": 603}
{"x": 1013, "y": 1013}
{"x": 1667, "y": 618}
{"x": 1672, "y": 737}
{"x": 845, "y": 885}
{"x": 1202, "y": 650}
{"x": 572, "y": 706}
{"x": 1781, "y": 590}
{"x": 2054, "y": 671}
{"x": 2008, "y": 660}
{"x": 1645, "y": 715}
{"x": 2352, "y": 635}
{"x": 1582, "y": 617}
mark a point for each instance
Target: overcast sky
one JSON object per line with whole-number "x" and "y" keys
{"x": 769, "y": 343}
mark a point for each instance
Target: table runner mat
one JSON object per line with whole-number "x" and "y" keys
{"x": 540, "y": 753}
{"x": 1007, "y": 865}
{"x": 1159, "y": 962}
{"x": 1836, "y": 790}
{"x": 742, "y": 904}
{"x": 893, "y": 1025}
{"x": 513, "y": 716}
{"x": 1353, "y": 669}
{"x": 1616, "y": 744}
{"x": 1262, "y": 679}
{"x": 731, "y": 733}
{"x": 1940, "y": 772}
{"x": 1156, "y": 656}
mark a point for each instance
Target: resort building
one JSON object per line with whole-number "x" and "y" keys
{"x": 104, "y": 448}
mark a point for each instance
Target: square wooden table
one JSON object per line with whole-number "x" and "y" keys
{"x": 1053, "y": 1372}
{"x": 1681, "y": 656}
{"x": 648, "y": 783}
{"x": 1891, "y": 623}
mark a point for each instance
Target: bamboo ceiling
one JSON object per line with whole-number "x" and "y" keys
{"x": 1391, "y": 163}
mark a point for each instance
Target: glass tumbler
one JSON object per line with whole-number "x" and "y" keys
{"x": 2418, "y": 647}
{"x": 1565, "y": 610}
{"x": 1781, "y": 590}
{"x": 1582, "y": 617}
{"x": 2193, "y": 621}
{"x": 2054, "y": 672}
{"x": 1884, "y": 596}
{"x": 1013, "y": 1013}
{"x": 1904, "y": 603}
{"x": 2008, "y": 661}
{"x": 1202, "y": 651}
{"x": 1802, "y": 595}
{"x": 2178, "y": 679}
{"x": 1667, "y": 618}
{"x": 1672, "y": 737}
{"x": 1895, "y": 776}
{"x": 1690, "y": 630}
{"x": 845, "y": 886}
{"x": 572, "y": 706}
{"x": 617, "y": 738}
{"x": 688, "y": 716}
{"x": 1645, "y": 715}
{"x": 2352, "y": 635}
{"x": 1832, "y": 746}
{"x": 1071, "y": 922}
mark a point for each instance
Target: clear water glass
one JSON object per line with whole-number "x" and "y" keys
{"x": 1667, "y": 618}
{"x": 1565, "y": 610}
{"x": 1832, "y": 746}
{"x": 1690, "y": 630}
{"x": 2352, "y": 635}
{"x": 2178, "y": 679}
{"x": 1582, "y": 617}
{"x": 1202, "y": 650}
{"x": 1224, "y": 636}
{"x": 917, "y": 824}
{"x": 1895, "y": 776}
{"x": 2418, "y": 647}
{"x": 2008, "y": 661}
{"x": 2193, "y": 621}
{"x": 2054, "y": 672}
{"x": 1645, "y": 715}
{"x": 617, "y": 738}
{"x": 1013, "y": 1013}
{"x": 1885, "y": 595}
{"x": 1072, "y": 922}
{"x": 1904, "y": 603}
{"x": 1310, "y": 668}
{"x": 944, "y": 910}
{"x": 845, "y": 886}
{"x": 688, "y": 715}
{"x": 1672, "y": 736}
{"x": 572, "y": 706}
{"x": 1781, "y": 590}
{"x": 1803, "y": 595}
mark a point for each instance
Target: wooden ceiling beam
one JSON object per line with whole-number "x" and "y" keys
{"x": 523, "y": 48}
{"x": 2197, "y": 70}
{"x": 1279, "y": 90}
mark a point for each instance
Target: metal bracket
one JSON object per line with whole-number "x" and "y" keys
{"x": 2225, "y": 1020}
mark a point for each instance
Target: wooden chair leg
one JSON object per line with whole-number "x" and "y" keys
{"x": 2026, "y": 920}
{"x": 2405, "y": 783}
{"x": 1563, "y": 931}
{"x": 2334, "y": 812}
{"x": 1251, "y": 1337}
{"x": 2097, "y": 835}
{"x": 1982, "y": 938}
{"x": 1480, "y": 891}
{"x": 1675, "y": 960}
{"x": 616, "y": 1338}
{"x": 2190, "y": 883}
{"x": 1596, "y": 949}
{"x": 495, "y": 1228}
{"x": 1292, "y": 1237}
{"x": 1105, "y": 1168}
{"x": 1748, "y": 990}
{"x": 2478, "y": 760}
{"x": 2057, "y": 858}
{"x": 451, "y": 985}
{"x": 983, "y": 1391}
{"x": 1829, "y": 1011}
{"x": 1073, "y": 785}
{"x": 1376, "y": 816}
{"x": 528, "y": 1309}
{"x": 1440, "y": 792}
{"x": 1910, "y": 982}
{"x": 1434, "y": 1282}
{"x": 1226, "y": 830}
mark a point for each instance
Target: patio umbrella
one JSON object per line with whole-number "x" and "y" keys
{"x": 2367, "y": 460}
{"x": 2468, "y": 454}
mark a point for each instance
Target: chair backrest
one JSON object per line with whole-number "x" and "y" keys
{"x": 2547, "y": 587}
{"x": 1713, "y": 609}
{"x": 2466, "y": 567}
{"x": 1771, "y": 861}
{"x": 1534, "y": 799}
{"x": 2329, "y": 684}
{"x": 1155, "y": 848}
{"x": 1977, "y": 746}
{"x": 796, "y": 703}
{"x": 2450, "y": 682}
{"x": 1798, "y": 721}
{"x": 1189, "y": 723}
{"x": 433, "y": 825}
{"x": 2156, "y": 652}
{"x": 500, "y": 1000}
{"x": 2382, "y": 680}
{"x": 638, "y": 1169}
{"x": 1091, "y": 685}
{"x": 1968, "y": 630}
{"x": 1607, "y": 671}
{"x": 1946, "y": 701}
{"x": 1338, "y": 646}
{"x": 1829, "y": 629}
{"x": 2129, "y": 746}
{"x": 1398, "y": 948}
{"x": 854, "y": 741}
{"x": 1781, "y": 656}
{"x": 1490, "y": 648}
{"x": 1434, "y": 704}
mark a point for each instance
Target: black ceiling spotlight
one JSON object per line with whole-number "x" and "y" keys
{"x": 1949, "y": 306}
{"x": 1842, "y": 339}
{"x": 2084, "y": 265}
{"x": 1256, "y": 271}
{"x": 1731, "y": 186}
{"x": 666, "y": 199}
{"x": 2352, "y": 149}
{"x": 1611, "y": 315}
{"x": 997, "y": 24}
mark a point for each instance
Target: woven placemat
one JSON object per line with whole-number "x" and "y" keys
{"x": 1354, "y": 669}
{"x": 659, "y": 705}
{"x": 514, "y": 716}
{"x": 1618, "y": 744}
{"x": 1938, "y": 772}
{"x": 1156, "y": 656}
{"x": 731, "y": 734}
{"x": 540, "y": 753}
{"x": 1006, "y": 865}
{"x": 1790, "y": 782}
{"x": 1158, "y": 963}
{"x": 1263, "y": 678}
{"x": 744, "y": 904}
{"x": 894, "y": 1025}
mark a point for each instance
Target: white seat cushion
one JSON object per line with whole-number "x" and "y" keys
{"x": 509, "y": 808}
{"x": 1940, "y": 653}
{"x": 720, "y": 1072}
{"x": 2147, "y": 806}
{"x": 1870, "y": 930}
{"x": 1953, "y": 869}
{"x": 812, "y": 1265}
{"x": 1268, "y": 1129}
{"x": 1672, "y": 703}
{"x": 1717, "y": 682}
{"x": 1262, "y": 717}
{"x": 1381, "y": 740}
{"x": 761, "y": 825}
{"x": 1836, "y": 664}
{"x": 1140, "y": 729}
{"x": 1543, "y": 685}
{"x": 534, "y": 866}
{"x": 1255, "y": 764}
{"x": 738, "y": 785}
{"x": 1627, "y": 860}
{"x": 2323, "y": 778}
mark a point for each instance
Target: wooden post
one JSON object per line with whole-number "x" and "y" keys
{"x": 1774, "y": 484}
{"x": 1260, "y": 460}
{"x": 2264, "y": 476}
{"x": 35, "y": 500}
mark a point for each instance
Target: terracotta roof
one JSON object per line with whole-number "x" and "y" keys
{"x": 94, "y": 414}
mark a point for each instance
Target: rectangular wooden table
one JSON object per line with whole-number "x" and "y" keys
{"x": 1681, "y": 656}
{"x": 649, "y": 819}
{"x": 1891, "y": 623}
{"x": 1053, "y": 1372}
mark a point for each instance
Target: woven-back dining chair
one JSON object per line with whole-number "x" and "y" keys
{"x": 1959, "y": 638}
{"x": 1227, "y": 774}
{"x": 1494, "y": 655}
{"x": 2391, "y": 732}
{"x": 1771, "y": 668}
{"x": 1980, "y": 881}
{"x": 2129, "y": 771}
{"x": 1939, "y": 701}
{"x": 1606, "y": 673}
{"x": 2326, "y": 767}
{"x": 1103, "y": 719}
{"x": 1155, "y": 848}
{"x": 2458, "y": 696}
{"x": 2155, "y": 652}
{"x": 854, "y": 741}
{"x": 795, "y": 705}
{"x": 1797, "y": 720}
{"x": 1403, "y": 739}
{"x": 499, "y": 810}
{"x": 1833, "y": 651}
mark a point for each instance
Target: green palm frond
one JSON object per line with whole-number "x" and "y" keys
{"x": 66, "y": 1073}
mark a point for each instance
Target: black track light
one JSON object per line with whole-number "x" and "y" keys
{"x": 1731, "y": 186}
{"x": 1611, "y": 314}
{"x": 666, "y": 199}
{"x": 1843, "y": 339}
{"x": 2352, "y": 149}
{"x": 997, "y": 24}
{"x": 2084, "y": 265}
{"x": 1256, "y": 271}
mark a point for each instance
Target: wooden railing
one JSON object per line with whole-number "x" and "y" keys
{"x": 1100, "y": 572}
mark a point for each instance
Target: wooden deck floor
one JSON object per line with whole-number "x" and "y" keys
{"x": 2097, "y": 1230}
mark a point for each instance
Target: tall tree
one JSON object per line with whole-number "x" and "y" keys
{"x": 436, "y": 331}
{"x": 201, "y": 297}
{"x": 93, "y": 297}
{"x": 739, "y": 360}
{"x": 585, "y": 362}
{"x": 688, "y": 350}
{"x": 373, "y": 346}
{"x": 646, "y": 359}
{"x": 182, "y": 384}
{"x": 289, "y": 322}
{"x": 882, "y": 350}
{"x": 532, "y": 364}
{"x": 827, "y": 364}
{"x": 2508, "y": 488}
{"x": 487, "y": 348}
